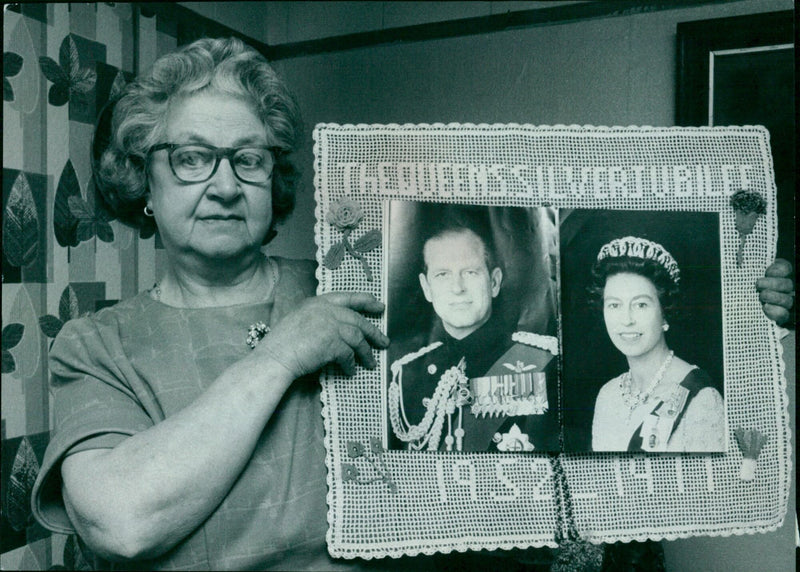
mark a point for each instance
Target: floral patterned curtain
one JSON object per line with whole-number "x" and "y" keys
{"x": 63, "y": 255}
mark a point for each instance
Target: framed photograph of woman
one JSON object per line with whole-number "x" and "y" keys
{"x": 642, "y": 331}
{"x": 471, "y": 311}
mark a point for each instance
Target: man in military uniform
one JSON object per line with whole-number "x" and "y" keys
{"x": 476, "y": 385}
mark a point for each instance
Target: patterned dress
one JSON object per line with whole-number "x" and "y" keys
{"x": 130, "y": 366}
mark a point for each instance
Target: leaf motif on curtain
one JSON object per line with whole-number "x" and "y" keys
{"x": 65, "y": 224}
{"x": 68, "y": 305}
{"x": 91, "y": 222}
{"x": 50, "y": 325}
{"x": 146, "y": 232}
{"x": 67, "y": 310}
{"x": 11, "y": 336}
{"x": 28, "y": 352}
{"x": 27, "y": 82}
{"x": 20, "y": 485}
{"x": 21, "y": 224}
{"x": 12, "y": 64}
{"x": 117, "y": 86}
{"x": 67, "y": 76}
{"x": 59, "y": 91}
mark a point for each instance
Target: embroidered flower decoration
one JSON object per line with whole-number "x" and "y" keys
{"x": 750, "y": 442}
{"x": 373, "y": 455}
{"x": 748, "y": 201}
{"x": 747, "y": 207}
{"x": 375, "y": 446}
{"x": 349, "y": 472}
{"x": 346, "y": 214}
{"x": 354, "y": 449}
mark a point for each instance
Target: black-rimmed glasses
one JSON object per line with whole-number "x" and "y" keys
{"x": 197, "y": 162}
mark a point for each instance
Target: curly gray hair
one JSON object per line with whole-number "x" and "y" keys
{"x": 227, "y": 66}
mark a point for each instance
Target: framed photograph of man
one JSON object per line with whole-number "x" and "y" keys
{"x": 641, "y": 307}
{"x": 471, "y": 309}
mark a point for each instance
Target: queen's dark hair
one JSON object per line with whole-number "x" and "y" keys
{"x": 666, "y": 288}
{"x": 226, "y": 66}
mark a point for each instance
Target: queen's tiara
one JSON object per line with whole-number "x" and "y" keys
{"x": 636, "y": 247}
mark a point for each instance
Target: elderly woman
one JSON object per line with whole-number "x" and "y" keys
{"x": 662, "y": 403}
{"x": 177, "y": 444}
{"x": 188, "y": 427}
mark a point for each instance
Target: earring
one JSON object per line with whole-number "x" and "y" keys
{"x": 665, "y": 326}
{"x": 148, "y": 211}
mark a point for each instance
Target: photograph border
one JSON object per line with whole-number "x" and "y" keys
{"x": 695, "y": 332}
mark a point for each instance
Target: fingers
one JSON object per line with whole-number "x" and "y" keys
{"x": 347, "y": 362}
{"x": 330, "y": 329}
{"x": 776, "y": 291}
{"x": 372, "y": 333}
{"x": 784, "y": 285}
{"x": 358, "y": 333}
{"x": 350, "y": 317}
{"x": 778, "y": 314}
{"x": 358, "y": 301}
{"x": 358, "y": 346}
{"x": 779, "y": 269}
{"x": 776, "y": 298}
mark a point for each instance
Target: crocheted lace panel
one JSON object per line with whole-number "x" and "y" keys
{"x": 397, "y": 503}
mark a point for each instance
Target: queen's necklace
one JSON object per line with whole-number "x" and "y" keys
{"x": 633, "y": 401}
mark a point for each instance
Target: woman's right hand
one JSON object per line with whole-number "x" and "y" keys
{"x": 329, "y": 328}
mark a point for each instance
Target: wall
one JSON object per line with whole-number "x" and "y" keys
{"x": 608, "y": 71}
{"x": 277, "y": 23}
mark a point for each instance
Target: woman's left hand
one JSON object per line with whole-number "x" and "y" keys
{"x": 776, "y": 290}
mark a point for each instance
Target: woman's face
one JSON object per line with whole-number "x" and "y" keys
{"x": 632, "y": 314}
{"x": 223, "y": 217}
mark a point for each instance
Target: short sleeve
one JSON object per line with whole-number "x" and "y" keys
{"x": 96, "y": 405}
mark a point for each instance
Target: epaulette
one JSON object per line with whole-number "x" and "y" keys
{"x": 409, "y": 357}
{"x": 548, "y": 343}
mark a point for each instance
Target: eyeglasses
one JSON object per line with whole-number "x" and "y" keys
{"x": 197, "y": 162}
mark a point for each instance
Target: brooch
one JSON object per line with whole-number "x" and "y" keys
{"x": 256, "y": 333}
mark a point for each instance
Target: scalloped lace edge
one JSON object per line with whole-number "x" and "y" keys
{"x": 558, "y": 126}
{"x": 369, "y": 553}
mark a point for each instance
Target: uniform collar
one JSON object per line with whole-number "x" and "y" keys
{"x": 486, "y": 340}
